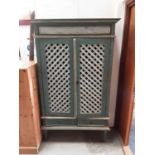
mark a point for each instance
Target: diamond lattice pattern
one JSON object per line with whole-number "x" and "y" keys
{"x": 91, "y": 78}
{"x": 58, "y": 74}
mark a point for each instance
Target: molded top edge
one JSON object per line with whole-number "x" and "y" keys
{"x": 83, "y": 20}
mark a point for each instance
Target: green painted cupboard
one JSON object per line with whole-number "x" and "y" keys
{"x": 74, "y": 70}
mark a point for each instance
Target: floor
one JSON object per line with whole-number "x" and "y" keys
{"x": 81, "y": 143}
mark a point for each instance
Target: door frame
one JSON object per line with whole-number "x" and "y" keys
{"x": 125, "y": 126}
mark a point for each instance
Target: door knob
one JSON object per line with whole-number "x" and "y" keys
{"x": 77, "y": 82}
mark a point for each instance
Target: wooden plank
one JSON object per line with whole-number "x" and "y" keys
{"x": 29, "y": 121}
{"x": 125, "y": 98}
{"x": 28, "y": 150}
{"x": 26, "y": 130}
{"x": 35, "y": 102}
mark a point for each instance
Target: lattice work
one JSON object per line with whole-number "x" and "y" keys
{"x": 91, "y": 78}
{"x": 58, "y": 74}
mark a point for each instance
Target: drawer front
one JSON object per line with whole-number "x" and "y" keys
{"x": 56, "y": 63}
{"x": 93, "y": 76}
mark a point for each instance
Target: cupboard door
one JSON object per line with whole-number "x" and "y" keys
{"x": 55, "y": 56}
{"x": 93, "y": 77}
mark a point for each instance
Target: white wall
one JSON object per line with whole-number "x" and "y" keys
{"x": 75, "y": 8}
{"x": 119, "y": 13}
{"x": 24, "y": 34}
{"x": 90, "y": 9}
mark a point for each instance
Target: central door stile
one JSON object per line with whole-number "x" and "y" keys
{"x": 75, "y": 78}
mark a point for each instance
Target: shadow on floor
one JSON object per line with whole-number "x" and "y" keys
{"x": 81, "y": 143}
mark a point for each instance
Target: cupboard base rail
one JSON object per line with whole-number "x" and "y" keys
{"x": 103, "y": 128}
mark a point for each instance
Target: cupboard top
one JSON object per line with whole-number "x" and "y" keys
{"x": 74, "y": 26}
{"x": 76, "y": 21}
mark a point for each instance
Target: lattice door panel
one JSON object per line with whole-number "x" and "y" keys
{"x": 57, "y": 63}
{"x": 91, "y": 77}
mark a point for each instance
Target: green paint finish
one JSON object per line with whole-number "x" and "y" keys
{"x": 109, "y": 64}
{"x": 74, "y": 43}
{"x": 92, "y": 122}
{"x": 74, "y": 22}
{"x": 41, "y": 52}
{"x": 59, "y": 122}
{"x": 39, "y": 73}
{"x": 106, "y": 76}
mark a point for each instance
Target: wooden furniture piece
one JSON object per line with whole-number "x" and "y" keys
{"x": 74, "y": 69}
{"x": 125, "y": 98}
{"x": 29, "y": 119}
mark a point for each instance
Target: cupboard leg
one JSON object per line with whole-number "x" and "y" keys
{"x": 45, "y": 134}
{"x": 105, "y": 134}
